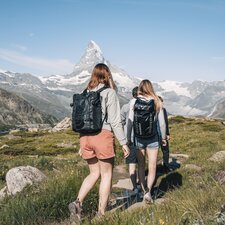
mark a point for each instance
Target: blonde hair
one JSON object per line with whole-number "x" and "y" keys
{"x": 101, "y": 74}
{"x": 146, "y": 89}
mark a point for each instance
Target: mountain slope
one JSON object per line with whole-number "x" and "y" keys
{"x": 15, "y": 110}
{"x": 35, "y": 92}
{"x": 53, "y": 94}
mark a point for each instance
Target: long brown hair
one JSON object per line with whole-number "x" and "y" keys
{"x": 146, "y": 89}
{"x": 101, "y": 74}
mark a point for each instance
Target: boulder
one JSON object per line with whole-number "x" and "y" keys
{"x": 19, "y": 177}
{"x": 218, "y": 157}
{"x": 33, "y": 129}
{"x": 64, "y": 124}
{"x": 220, "y": 177}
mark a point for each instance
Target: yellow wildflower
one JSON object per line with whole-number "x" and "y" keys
{"x": 161, "y": 221}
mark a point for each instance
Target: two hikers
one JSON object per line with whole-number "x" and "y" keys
{"x": 97, "y": 148}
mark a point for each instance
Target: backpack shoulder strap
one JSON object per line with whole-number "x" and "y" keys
{"x": 102, "y": 89}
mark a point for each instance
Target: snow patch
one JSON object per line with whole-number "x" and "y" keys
{"x": 58, "y": 89}
{"x": 174, "y": 86}
{"x": 63, "y": 80}
{"x": 123, "y": 81}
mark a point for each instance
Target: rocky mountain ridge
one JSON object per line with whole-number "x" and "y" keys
{"x": 53, "y": 94}
{"x": 16, "y": 111}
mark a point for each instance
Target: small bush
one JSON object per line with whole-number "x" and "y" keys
{"x": 212, "y": 127}
{"x": 177, "y": 119}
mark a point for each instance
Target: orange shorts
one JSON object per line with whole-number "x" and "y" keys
{"x": 100, "y": 145}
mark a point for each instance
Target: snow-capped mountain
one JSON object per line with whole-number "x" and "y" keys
{"x": 53, "y": 94}
{"x": 82, "y": 72}
{"x": 31, "y": 89}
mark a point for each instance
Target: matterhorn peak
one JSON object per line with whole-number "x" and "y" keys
{"x": 91, "y": 56}
{"x": 92, "y": 46}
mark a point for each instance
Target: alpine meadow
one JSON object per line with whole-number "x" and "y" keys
{"x": 112, "y": 112}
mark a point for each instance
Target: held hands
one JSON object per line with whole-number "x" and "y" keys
{"x": 126, "y": 151}
{"x": 164, "y": 143}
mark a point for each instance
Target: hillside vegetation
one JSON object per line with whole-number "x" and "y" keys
{"x": 191, "y": 196}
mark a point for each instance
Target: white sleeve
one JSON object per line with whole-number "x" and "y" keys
{"x": 162, "y": 124}
{"x": 130, "y": 120}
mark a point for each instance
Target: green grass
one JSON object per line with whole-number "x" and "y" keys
{"x": 191, "y": 196}
{"x": 46, "y": 202}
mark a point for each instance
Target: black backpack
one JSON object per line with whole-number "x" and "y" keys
{"x": 144, "y": 119}
{"x": 87, "y": 112}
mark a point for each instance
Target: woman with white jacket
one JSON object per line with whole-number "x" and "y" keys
{"x": 147, "y": 145}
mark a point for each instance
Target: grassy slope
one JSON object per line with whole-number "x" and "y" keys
{"x": 197, "y": 195}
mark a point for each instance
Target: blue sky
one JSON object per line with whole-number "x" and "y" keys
{"x": 181, "y": 40}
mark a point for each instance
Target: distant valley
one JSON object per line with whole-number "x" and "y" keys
{"x": 52, "y": 95}
{"x": 16, "y": 111}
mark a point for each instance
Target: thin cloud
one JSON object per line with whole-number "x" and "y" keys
{"x": 20, "y": 47}
{"x": 218, "y": 58}
{"x": 31, "y": 34}
{"x": 45, "y": 66}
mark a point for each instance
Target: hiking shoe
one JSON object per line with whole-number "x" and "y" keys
{"x": 148, "y": 198}
{"x": 167, "y": 168}
{"x": 135, "y": 191}
{"x": 75, "y": 209}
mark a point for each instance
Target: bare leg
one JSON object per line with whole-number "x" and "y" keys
{"x": 106, "y": 169}
{"x": 90, "y": 180}
{"x": 133, "y": 174}
{"x": 141, "y": 167}
{"x": 152, "y": 161}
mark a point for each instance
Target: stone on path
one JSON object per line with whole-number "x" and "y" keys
{"x": 124, "y": 183}
{"x": 218, "y": 156}
{"x": 179, "y": 156}
{"x": 193, "y": 167}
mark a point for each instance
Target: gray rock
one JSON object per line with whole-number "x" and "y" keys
{"x": 124, "y": 183}
{"x": 4, "y": 146}
{"x": 179, "y": 156}
{"x": 65, "y": 145}
{"x": 3, "y": 193}
{"x": 220, "y": 177}
{"x": 33, "y": 129}
{"x": 218, "y": 157}
{"x": 19, "y": 177}
{"x": 193, "y": 167}
{"x": 64, "y": 124}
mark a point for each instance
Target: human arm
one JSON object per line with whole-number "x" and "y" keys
{"x": 166, "y": 121}
{"x": 162, "y": 126}
{"x": 123, "y": 115}
{"x": 114, "y": 116}
{"x": 130, "y": 120}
